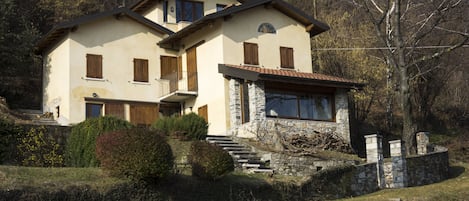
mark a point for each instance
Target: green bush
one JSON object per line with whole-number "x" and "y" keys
{"x": 136, "y": 153}
{"x": 186, "y": 127}
{"x": 81, "y": 144}
{"x": 38, "y": 150}
{"x": 8, "y": 130}
{"x": 209, "y": 161}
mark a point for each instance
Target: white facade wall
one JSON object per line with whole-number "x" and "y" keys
{"x": 243, "y": 28}
{"x": 56, "y": 81}
{"x": 119, "y": 41}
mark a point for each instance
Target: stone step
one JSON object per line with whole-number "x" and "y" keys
{"x": 229, "y": 145}
{"x": 250, "y": 165}
{"x": 221, "y": 142}
{"x": 241, "y": 152}
{"x": 262, "y": 170}
{"x": 218, "y": 138}
{"x": 236, "y": 149}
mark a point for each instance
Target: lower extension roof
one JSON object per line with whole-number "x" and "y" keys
{"x": 252, "y": 73}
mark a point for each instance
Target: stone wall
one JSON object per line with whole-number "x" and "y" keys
{"x": 284, "y": 164}
{"x": 427, "y": 169}
{"x": 59, "y": 133}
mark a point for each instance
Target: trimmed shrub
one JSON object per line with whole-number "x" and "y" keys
{"x": 80, "y": 150}
{"x": 209, "y": 161}
{"x": 136, "y": 153}
{"x": 38, "y": 150}
{"x": 186, "y": 127}
{"x": 7, "y": 132}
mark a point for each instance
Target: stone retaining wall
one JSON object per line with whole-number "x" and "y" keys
{"x": 284, "y": 164}
{"x": 427, "y": 169}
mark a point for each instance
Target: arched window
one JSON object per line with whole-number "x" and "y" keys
{"x": 266, "y": 28}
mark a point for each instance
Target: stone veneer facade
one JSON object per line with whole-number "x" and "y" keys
{"x": 269, "y": 130}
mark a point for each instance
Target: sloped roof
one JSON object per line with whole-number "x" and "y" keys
{"x": 289, "y": 76}
{"x": 62, "y": 29}
{"x": 143, "y": 5}
{"x": 314, "y": 27}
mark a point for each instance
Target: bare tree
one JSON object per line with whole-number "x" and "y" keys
{"x": 404, "y": 27}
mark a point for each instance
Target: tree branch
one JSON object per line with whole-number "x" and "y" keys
{"x": 438, "y": 54}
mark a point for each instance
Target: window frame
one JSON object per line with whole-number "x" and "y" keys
{"x": 287, "y": 58}
{"x": 298, "y": 96}
{"x": 251, "y": 53}
{"x": 181, "y": 14}
{"x": 89, "y": 109}
{"x": 142, "y": 74}
{"x": 94, "y": 66}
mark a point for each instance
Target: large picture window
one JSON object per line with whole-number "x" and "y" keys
{"x": 299, "y": 106}
{"x": 189, "y": 11}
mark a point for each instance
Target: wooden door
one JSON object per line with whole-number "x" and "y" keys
{"x": 192, "y": 69}
{"x": 143, "y": 113}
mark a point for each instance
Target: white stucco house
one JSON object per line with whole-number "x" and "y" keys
{"x": 238, "y": 64}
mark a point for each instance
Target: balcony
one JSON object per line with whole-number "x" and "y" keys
{"x": 179, "y": 88}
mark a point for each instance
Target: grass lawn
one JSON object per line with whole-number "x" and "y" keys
{"x": 14, "y": 177}
{"x": 456, "y": 188}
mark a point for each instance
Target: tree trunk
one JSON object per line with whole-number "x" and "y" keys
{"x": 408, "y": 124}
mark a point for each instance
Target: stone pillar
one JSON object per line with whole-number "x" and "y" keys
{"x": 422, "y": 143}
{"x": 399, "y": 165}
{"x": 374, "y": 154}
{"x": 235, "y": 103}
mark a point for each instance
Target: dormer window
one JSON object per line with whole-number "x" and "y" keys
{"x": 189, "y": 11}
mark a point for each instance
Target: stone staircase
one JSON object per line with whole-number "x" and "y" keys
{"x": 244, "y": 158}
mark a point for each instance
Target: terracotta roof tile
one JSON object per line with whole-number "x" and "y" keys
{"x": 294, "y": 74}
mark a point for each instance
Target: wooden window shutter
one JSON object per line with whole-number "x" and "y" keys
{"x": 94, "y": 66}
{"x": 115, "y": 109}
{"x": 140, "y": 70}
{"x": 251, "y": 55}
{"x": 286, "y": 57}
{"x": 191, "y": 56}
{"x": 179, "y": 63}
{"x": 203, "y": 112}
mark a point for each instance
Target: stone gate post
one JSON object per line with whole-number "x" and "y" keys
{"x": 399, "y": 165}
{"x": 374, "y": 154}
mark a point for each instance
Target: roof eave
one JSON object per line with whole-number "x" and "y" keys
{"x": 255, "y": 76}
{"x": 61, "y": 30}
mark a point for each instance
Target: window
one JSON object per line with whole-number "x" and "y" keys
{"x": 165, "y": 11}
{"x": 251, "y": 54}
{"x": 220, "y": 7}
{"x": 286, "y": 57}
{"x": 299, "y": 106}
{"x": 140, "y": 70}
{"x": 189, "y": 11}
{"x": 266, "y": 28}
{"x": 94, "y": 66}
{"x": 93, "y": 110}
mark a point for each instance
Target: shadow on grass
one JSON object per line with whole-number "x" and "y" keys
{"x": 456, "y": 171}
{"x": 231, "y": 187}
